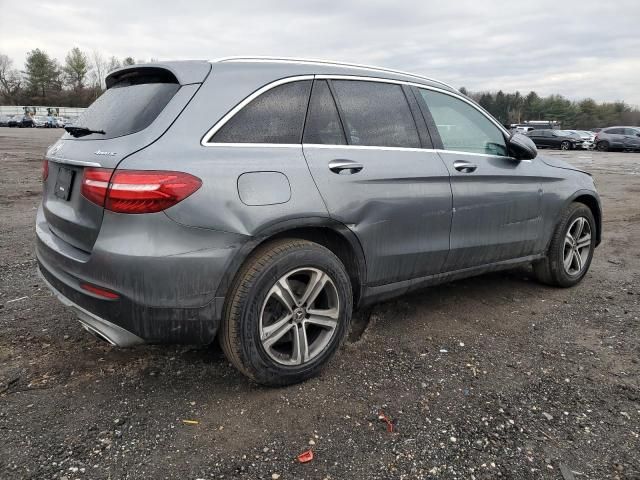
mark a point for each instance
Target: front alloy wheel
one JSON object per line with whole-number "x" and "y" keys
{"x": 577, "y": 246}
{"x": 571, "y": 248}
{"x": 565, "y": 145}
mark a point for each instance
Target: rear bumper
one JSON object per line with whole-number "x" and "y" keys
{"x": 111, "y": 332}
{"x": 125, "y": 323}
{"x": 166, "y": 275}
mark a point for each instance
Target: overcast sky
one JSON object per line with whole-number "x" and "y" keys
{"x": 576, "y": 48}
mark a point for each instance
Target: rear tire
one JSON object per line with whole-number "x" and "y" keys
{"x": 287, "y": 312}
{"x": 571, "y": 249}
{"x": 602, "y": 146}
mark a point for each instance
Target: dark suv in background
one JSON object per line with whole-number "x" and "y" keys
{"x": 262, "y": 200}
{"x": 618, "y": 138}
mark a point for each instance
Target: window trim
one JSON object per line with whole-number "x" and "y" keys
{"x": 205, "y": 141}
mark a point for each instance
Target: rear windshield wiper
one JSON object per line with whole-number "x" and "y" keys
{"x": 82, "y": 131}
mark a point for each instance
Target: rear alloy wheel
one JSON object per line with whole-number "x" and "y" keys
{"x": 299, "y": 316}
{"x": 287, "y": 312}
{"x": 571, "y": 249}
{"x": 565, "y": 145}
{"x": 602, "y": 146}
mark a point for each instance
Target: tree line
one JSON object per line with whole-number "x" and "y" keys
{"x": 79, "y": 80}
{"x": 43, "y": 80}
{"x": 585, "y": 114}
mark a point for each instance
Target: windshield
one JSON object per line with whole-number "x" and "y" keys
{"x": 125, "y": 109}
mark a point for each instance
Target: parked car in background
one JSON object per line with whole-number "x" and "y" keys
{"x": 618, "y": 138}
{"x": 291, "y": 192}
{"x": 15, "y": 121}
{"x": 4, "y": 120}
{"x": 27, "y": 122}
{"x": 556, "y": 139}
{"x": 59, "y": 122}
{"x": 523, "y": 130}
{"x": 587, "y": 138}
{"x": 39, "y": 121}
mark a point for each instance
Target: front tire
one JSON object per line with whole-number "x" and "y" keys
{"x": 602, "y": 146}
{"x": 287, "y": 312}
{"x": 571, "y": 249}
{"x": 565, "y": 145}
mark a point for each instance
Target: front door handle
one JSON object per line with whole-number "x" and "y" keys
{"x": 464, "y": 166}
{"x": 345, "y": 167}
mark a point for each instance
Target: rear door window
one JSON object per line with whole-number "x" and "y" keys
{"x": 462, "y": 127}
{"x": 276, "y": 116}
{"x": 376, "y": 114}
{"x": 323, "y": 124}
{"x": 128, "y": 106}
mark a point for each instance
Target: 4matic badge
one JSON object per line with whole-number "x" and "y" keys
{"x": 108, "y": 154}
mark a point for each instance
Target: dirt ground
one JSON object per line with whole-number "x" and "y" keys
{"x": 491, "y": 377}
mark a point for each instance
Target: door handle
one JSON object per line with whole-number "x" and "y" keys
{"x": 464, "y": 166}
{"x": 345, "y": 167}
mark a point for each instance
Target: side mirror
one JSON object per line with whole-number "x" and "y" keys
{"x": 522, "y": 147}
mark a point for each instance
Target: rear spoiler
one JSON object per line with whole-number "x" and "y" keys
{"x": 181, "y": 72}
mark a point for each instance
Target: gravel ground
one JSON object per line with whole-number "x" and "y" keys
{"x": 495, "y": 376}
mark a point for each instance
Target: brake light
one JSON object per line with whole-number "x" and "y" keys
{"x": 101, "y": 292}
{"x": 95, "y": 182}
{"x": 137, "y": 191}
{"x": 45, "y": 170}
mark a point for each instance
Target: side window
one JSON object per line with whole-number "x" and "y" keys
{"x": 323, "y": 123}
{"x": 615, "y": 131}
{"x": 462, "y": 127}
{"x": 630, "y": 131}
{"x": 376, "y": 114}
{"x": 276, "y": 116}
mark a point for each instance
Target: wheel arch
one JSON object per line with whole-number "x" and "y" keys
{"x": 325, "y": 231}
{"x": 591, "y": 200}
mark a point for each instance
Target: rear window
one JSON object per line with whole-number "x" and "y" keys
{"x": 276, "y": 116}
{"x": 127, "y": 107}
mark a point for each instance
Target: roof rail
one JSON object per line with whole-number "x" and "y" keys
{"x": 326, "y": 62}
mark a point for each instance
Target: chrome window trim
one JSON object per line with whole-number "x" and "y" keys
{"x": 366, "y": 147}
{"x": 79, "y": 163}
{"x": 220, "y": 123}
{"x": 207, "y": 136}
{"x": 314, "y": 61}
{"x": 409, "y": 149}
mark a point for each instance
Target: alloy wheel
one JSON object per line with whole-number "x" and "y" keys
{"x": 565, "y": 145}
{"x": 577, "y": 246}
{"x": 299, "y": 316}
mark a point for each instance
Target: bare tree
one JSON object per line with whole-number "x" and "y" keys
{"x": 113, "y": 64}
{"x": 10, "y": 78}
{"x": 99, "y": 69}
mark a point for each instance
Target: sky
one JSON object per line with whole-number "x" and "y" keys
{"x": 578, "y": 49}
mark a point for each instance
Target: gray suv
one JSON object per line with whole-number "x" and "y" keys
{"x": 618, "y": 138}
{"x": 263, "y": 200}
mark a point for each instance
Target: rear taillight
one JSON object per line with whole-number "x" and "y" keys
{"x": 137, "y": 191}
{"x": 45, "y": 170}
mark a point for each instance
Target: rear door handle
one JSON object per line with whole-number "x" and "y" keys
{"x": 345, "y": 167}
{"x": 464, "y": 166}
